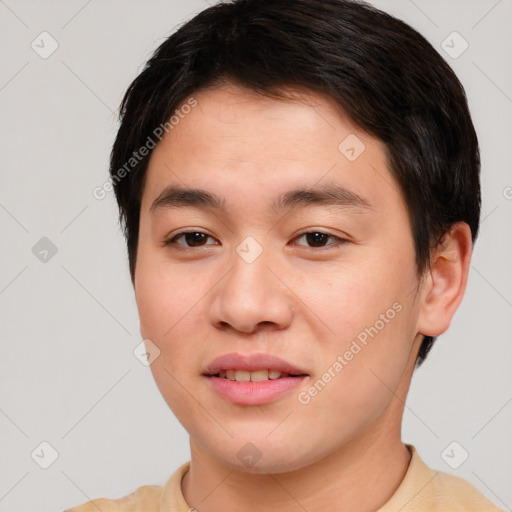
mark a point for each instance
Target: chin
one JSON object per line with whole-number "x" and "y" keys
{"x": 263, "y": 457}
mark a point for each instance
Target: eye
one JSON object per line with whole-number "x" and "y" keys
{"x": 313, "y": 239}
{"x": 190, "y": 239}
{"x": 318, "y": 239}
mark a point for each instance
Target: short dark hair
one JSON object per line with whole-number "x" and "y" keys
{"x": 387, "y": 77}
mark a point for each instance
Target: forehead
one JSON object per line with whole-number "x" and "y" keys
{"x": 235, "y": 141}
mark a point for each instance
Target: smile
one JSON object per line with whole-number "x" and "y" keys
{"x": 255, "y": 376}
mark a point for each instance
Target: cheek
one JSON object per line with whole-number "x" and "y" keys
{"x": 370, "y": 316}
{"x": 167, "y": 302}
{"x": 347, "y": 298}
{"x": 167, "y": 295}
{"x": 358, "y": 381}
{"x": 152, "y": 303}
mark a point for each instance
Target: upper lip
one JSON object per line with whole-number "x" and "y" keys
{"x": 251, "y": 363}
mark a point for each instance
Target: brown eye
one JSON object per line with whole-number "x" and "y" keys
{"x": 317, "y": 239}
{"x": 190, "y": 239}
{"x": 195, "y": 239}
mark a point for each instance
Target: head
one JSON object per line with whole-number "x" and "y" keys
{"x": 338, "y": 140}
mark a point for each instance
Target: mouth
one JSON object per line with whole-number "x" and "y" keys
{"x": 254, "y": 376}
{"x": 254, "y": 367}
{"x": 253, "y": 379}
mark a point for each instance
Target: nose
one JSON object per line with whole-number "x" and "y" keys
{"x": 251, "y": 297}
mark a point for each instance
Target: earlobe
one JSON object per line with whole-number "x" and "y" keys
{"x": 445, "y": 282}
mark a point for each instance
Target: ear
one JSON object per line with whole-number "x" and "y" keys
{"x": 444, "y": 284}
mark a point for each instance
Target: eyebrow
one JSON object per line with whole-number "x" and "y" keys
{"x": 175, "y": 196}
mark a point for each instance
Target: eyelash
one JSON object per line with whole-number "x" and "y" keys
{"x": 338, "y": 240}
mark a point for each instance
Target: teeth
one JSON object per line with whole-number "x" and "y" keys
{"x": 259, "y": 375}
{"x": 242, "y": 376}
{"x": 256, "y": 376}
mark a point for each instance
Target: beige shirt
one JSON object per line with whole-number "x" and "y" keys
{"x": 421, "y": 490}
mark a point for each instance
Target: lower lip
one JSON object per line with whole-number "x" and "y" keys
{"x": 254, "y": 393}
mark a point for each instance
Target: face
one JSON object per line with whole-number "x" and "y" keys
{"x": 275, "y": 227}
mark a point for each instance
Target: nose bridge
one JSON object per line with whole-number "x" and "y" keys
{"x": 250, "y": 294}
{"x": 250, "y": 272}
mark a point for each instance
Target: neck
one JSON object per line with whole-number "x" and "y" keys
{"x": 362, "y": 475}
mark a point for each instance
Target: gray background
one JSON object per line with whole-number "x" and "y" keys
{"x": 69, "y": 324}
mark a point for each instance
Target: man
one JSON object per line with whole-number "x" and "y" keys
{"x": 299, "y": 187}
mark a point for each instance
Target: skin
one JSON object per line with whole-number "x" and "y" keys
{"x": 304, "y": 305}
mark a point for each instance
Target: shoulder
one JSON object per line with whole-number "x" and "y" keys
{"x": 454, "y": 493}
{"x": 145, "y": 498}
{"x": 148, "y": 498}
{"x": 426, "y": 489}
